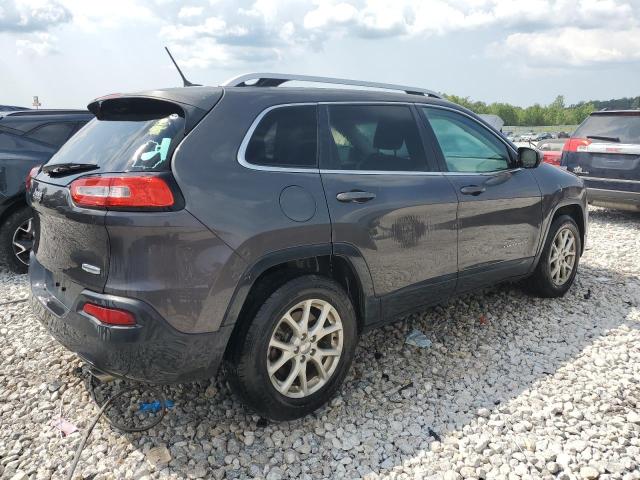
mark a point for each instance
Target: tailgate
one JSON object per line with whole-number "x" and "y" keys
{"x": 605, "y": 150}
{"x": 71, "y": 243}
{"x": 607, "y": 166}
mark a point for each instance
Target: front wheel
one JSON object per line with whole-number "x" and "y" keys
{"x": 558, "y": 264}
{"x": 296, "y": 352}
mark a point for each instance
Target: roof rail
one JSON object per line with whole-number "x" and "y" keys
{"x": 275, "y": 79}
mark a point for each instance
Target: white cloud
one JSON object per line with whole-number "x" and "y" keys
{"x": 32, "y": 15}
{"x": 406, "y": 17}
{"x": 266, "y": 30}
{"x": 189, "y": 12}
{"x": 573, "y": 47}
{"x": 327, "y": 14}
{"x": 94, "y": 16}
{"x": 37, "y": 44}
{"x": 232, "y": 33}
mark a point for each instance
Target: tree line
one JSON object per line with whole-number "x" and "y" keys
{"x": 556, "y": 113}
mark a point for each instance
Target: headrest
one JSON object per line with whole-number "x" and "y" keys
{"x": 389, "y": 135}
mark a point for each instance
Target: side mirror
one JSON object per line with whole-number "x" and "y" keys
{"x": 529, "y": 157}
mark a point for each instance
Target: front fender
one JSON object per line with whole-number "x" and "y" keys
{"x": 559, "y": 189}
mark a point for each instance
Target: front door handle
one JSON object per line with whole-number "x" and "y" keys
{"x": 472, "y": 190}
{"x": 355, "y": 196}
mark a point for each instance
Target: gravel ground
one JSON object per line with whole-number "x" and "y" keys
{"x": 512, "y": 387}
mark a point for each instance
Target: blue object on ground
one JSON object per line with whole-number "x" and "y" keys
{"x": 154, "y": 407}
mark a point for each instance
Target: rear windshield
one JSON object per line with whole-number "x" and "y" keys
{"x": 124, "y": 144}
{"x": 622, "y": 128}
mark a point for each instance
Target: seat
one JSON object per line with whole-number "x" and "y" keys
{"x": 389, "y": 135}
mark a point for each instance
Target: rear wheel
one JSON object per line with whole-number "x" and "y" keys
{"x": 16, "y": 240}
{"x": 558, "y": 264}
{"x": 297, "y": 350}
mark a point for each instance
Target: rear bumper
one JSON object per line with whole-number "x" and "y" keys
{"x": 152, "y": 351}
{"x": 619, "y": 199}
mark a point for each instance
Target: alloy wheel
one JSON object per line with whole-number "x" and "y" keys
{"x": 305, "y": 348}
{"x": 562, "y": 257}
{"x": 22, "y": 241}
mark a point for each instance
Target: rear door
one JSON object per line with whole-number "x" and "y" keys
{"x": 605, "y": 151}
{"x": 500, "y": 210}
{"x": 387, "y": 199}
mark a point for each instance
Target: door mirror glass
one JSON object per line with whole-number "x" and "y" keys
{"x": 529, "y": 157}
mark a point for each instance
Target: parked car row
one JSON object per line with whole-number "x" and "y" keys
{"x": 535, "y": 137}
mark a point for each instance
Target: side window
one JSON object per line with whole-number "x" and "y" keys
{"x": 285, "y": 137}
{"x": 54, "y": 134}
{"x": 9, "y": 141}
{"x": 374, "y": 138}
{"x": 466, "y": 145}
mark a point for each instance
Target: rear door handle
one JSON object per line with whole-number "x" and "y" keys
{"x": 355, "y": 196}
{"x": 472, "y": 190}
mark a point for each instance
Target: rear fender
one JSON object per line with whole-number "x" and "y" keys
{"x": 369, "y": 307}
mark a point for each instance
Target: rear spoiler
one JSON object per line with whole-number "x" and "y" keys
{"x": 116, "y": 105}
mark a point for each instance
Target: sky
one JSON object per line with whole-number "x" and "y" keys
{"x": 521, "y": 52}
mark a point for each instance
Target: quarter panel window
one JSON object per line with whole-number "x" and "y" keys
{"x": 374, "y": 138}
{"x": 466, "y": 145}
{"x": 285, "y": 137}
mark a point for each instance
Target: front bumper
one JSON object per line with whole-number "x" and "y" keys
{"x": 618, "y": 199}
{"x": 152, "y": 351}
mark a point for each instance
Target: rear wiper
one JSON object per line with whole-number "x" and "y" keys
{"x": 606, "y": 139}
{"x": 67, "y": 168}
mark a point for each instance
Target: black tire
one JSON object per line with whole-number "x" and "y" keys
{"x": 7, "y": 230}
{"x": 246, "y": 362}
{"x": 541, "y": 282}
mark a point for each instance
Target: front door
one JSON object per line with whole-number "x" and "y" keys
{"x": 500, "y": 210}
{"x": 386, "y": 199}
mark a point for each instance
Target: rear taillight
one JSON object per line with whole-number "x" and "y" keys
{"x": 109, "y": 316}
{"x": 122, "y": 191}
{"x": 32, "y": 174}
{"x": 552, "y": 157}
{"x": 576, "y": 144}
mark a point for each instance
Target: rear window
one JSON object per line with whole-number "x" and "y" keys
{"x": 622, "y": 128}
{"x": 285, "y": 137}
{"x": 125, "y": 143}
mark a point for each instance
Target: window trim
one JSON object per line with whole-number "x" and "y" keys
{"x": 267, "y": 168}
{"x": 418, "y": 105}
{"x": 510, "y": 149}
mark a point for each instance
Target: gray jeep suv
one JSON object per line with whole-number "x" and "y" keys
{"x": 266, "y": 227}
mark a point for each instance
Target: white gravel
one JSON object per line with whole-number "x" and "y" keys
{"x": 537, "y": 389}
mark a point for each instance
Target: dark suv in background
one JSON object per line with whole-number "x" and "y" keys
{"x": 27, "y": 138}
{"x": 605, "y": 152}
{"x": 268, "y": 227}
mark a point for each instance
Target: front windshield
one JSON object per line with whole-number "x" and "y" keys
{"x": 135, "y": 144}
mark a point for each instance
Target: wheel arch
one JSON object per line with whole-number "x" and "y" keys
{"x": 576, "y": 211}
{"x": 277, "y": 268}
{"x": 16, "y": 203}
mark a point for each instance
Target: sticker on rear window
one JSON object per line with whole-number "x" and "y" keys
{"x": 153, "y": 153}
